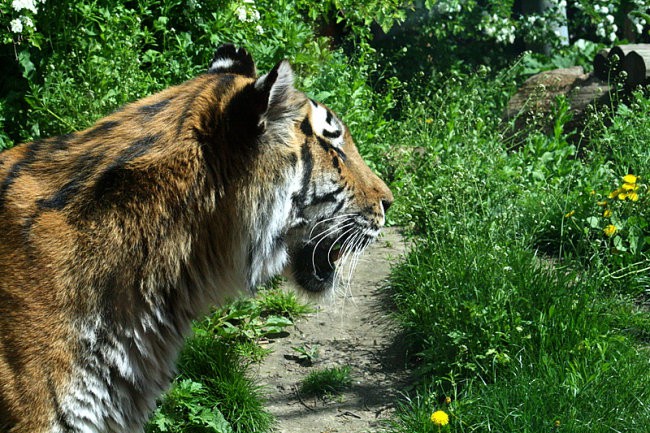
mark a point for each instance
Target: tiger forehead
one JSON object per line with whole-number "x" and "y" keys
{"x": 325, "y": 124}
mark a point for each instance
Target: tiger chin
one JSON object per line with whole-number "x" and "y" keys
{"x": 115, "y": 238}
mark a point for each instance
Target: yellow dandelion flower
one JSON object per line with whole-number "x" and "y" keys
{"x": 607, "y": 213}
{"x": 630, "y": 186}
{"x": 633, "y": 196}
{"x": 629, "y": 178}
{"x": 614, "y": 193}
{"x": 440, "y": 418}
{"x": 610, "y": 230}
{"x": 622, "y": 196}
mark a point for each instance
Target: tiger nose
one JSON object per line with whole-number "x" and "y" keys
{"x": 387, "y": 200}
{"x": 386, "y": 203}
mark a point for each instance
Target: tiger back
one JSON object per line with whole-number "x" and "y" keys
{"x": 115, "y": 238}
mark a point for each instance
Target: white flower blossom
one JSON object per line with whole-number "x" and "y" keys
{"x": 259, "y": 29}
{"x": 639, "y": 27}
{"x": 242, "y": 14}
{"x": 16, "y": 26}
{"x": 19, "y": 5}
{"x": 28, "y": 22}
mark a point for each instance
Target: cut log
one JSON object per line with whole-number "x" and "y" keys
{"x": 637, "y": 66}
{"x": 618, "y": 53}
{"x": 534, "y": 102}
{"x": 601, "y": 64}
{"x": 538, "y": 93}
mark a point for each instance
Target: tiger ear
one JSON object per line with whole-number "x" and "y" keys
{"x": 274, "y": 90}
{"x": 229, "y": 59}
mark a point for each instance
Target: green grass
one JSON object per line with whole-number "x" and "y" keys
{"x": 508, "y": 297}
{"x": 326, "y": 381}
{"x": 214, "y": 391}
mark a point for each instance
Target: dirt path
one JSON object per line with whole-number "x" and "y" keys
{"x": 353, "y": 331}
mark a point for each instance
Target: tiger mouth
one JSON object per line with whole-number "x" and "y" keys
{"x": 315, "y": 263}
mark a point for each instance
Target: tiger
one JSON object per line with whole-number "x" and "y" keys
{"x": 114, "y": 238}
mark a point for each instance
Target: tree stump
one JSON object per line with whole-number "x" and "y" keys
{"x": 535, "y": 100}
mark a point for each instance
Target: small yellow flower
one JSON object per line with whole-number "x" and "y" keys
{"x": 630, "y": 186}
{"x": 602, "y": 203}
{"x": 610, "y": 230}
{"x": 440, "y": 418}
{"x": 557, "y": 423}
{"x": 570, "y": 214}
{"x": 428, "y": 121}
{"x": 629, "y": 178}
{"x": 622, "y": 196}
{"x": 614, "y": 193}
{"x": 607, "y": 213}
{"x": 448, "y": 400}
{"x": 633, "y": 196}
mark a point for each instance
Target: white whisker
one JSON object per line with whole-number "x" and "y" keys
{"x": 340, "y": 226}
{"x": 328, "y": 220}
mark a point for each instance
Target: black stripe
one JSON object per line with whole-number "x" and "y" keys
{"x": 338, "y": 207}
{"x": 327, "y": 146}
{"x": 14, "y": 172}
{"x": 331, "y": 134}
{"x": 153, "y": 109}
{"x": 300, "y": 198}
{"x": 100, "y": 130}
{"x": 115, "y": 174}
{"x": 62, "y": 142}
{"x": 336, "y": 164}
{"x": 84, "y": 168}
{"x": 305, "y": 127}
{"x": 324, "y": 144}
{"x": 329, "y": 197}
{"x": 328, "y": 117}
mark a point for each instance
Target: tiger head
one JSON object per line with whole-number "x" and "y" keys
{"x": 332, "y": 206}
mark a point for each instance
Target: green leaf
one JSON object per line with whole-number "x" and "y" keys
{"x": 24, "y": 59}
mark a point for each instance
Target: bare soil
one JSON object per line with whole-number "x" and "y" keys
{"x": 353, "y": 330}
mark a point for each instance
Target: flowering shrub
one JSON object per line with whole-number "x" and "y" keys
{"x": 18, "y": 18}
{"x": 607, "y": 17}
{"x": 444, "y": 34}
